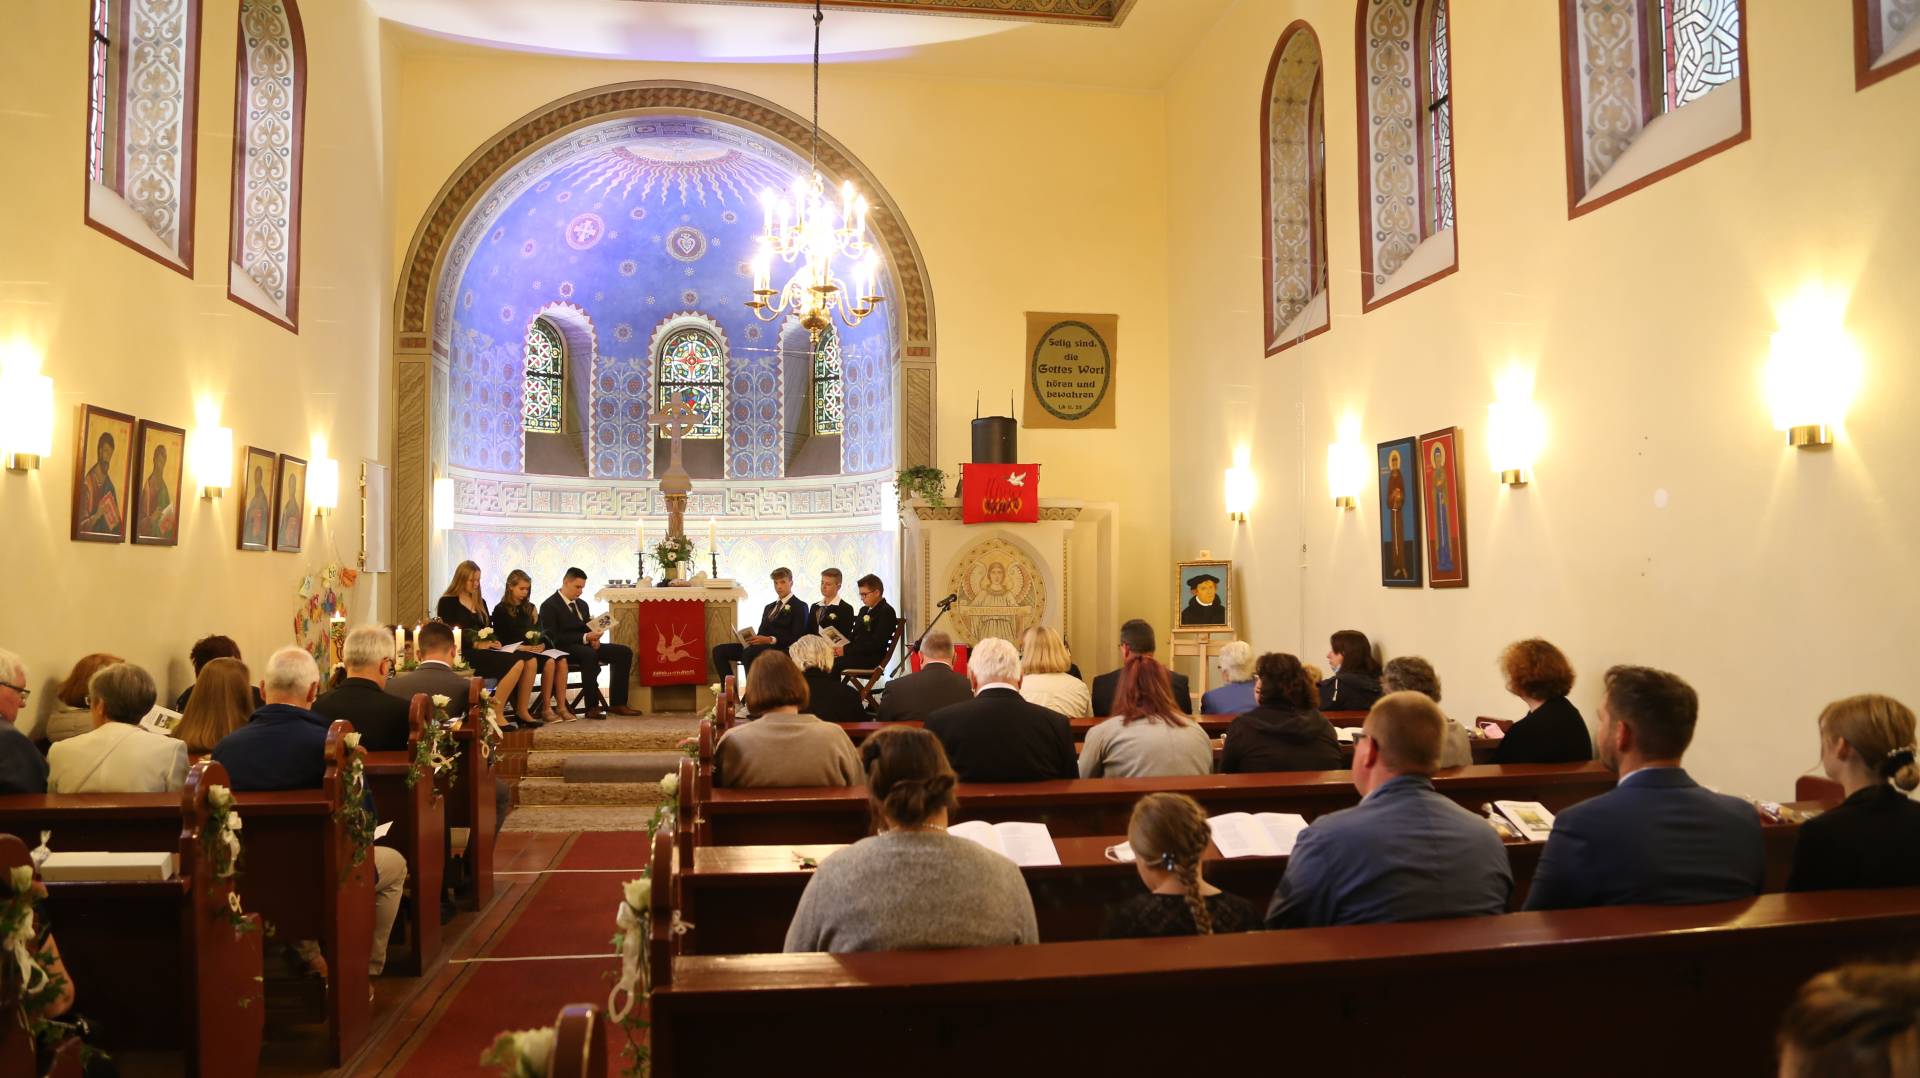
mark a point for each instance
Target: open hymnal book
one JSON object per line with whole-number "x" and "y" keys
{"x": 161, "y": 720}
{"x": 532, "y": 649}
{"x": 1530, "y": 818}
{"x": 744, "y": 637}
{"x": 1022, "y": 843}
{"x": 833, "y": 636}
{"x": 1346, "y": 735}
{"x": 602, "y": 624}
{"x": 1268, "y": 834}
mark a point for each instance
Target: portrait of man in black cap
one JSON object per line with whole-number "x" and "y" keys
{"x": 1206, "y": 600}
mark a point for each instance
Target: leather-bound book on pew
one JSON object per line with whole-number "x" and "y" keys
{"x": 102, "y": 866}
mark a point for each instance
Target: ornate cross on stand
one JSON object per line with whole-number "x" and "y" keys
{"x": 676, "y": 419}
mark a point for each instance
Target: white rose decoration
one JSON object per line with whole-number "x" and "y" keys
{"x": 220, "y": 797}
{"x": 352, "y": 741}
{"x": 670, "y": 783}
{"x": 441, "y": 701}
{"x": 22, "y": 878}
{"x": 639, "y": 894}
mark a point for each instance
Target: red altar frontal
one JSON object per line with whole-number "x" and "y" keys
{"x": 670, "y": 630}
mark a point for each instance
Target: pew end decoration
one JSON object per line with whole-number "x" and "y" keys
{"x": 434, "y": 749}
{"x": 220, "y": 841}
{"x": 29, "y": 973}
{"x": 571, "y": 1048}
{"x": 644, "y": 938}
{"x": 348, "y": 762}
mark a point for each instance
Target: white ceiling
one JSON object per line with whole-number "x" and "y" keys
{"x": 1138, "y": 54}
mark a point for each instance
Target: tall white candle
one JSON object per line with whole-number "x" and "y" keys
{"x": 416, "y": 639}
{"x": 456, "y": 640}
{"x": 399, "y": 643}
{"x": 710, "y": 545}
{"x": 642, "y": 540}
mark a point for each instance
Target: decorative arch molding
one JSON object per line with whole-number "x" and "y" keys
{"x": 414, "y": 348}
{"x": 269, "y": 130}
{"x": 1294, "y": 190}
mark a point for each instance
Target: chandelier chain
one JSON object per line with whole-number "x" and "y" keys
{"x": 813, "y": 159}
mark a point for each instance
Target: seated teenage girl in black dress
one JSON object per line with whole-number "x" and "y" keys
{"x": 462, "y": 608}
{"x": 514, "y": 616}
{"x": 1872, "y": 839}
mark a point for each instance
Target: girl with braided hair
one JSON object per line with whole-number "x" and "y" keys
{"x": 1858, "y": 1021}
{"x": 1872, "y": 839}
{"x": 1169, "y": 836}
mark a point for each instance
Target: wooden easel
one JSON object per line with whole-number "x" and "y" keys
{"x": 1203, "y": 645}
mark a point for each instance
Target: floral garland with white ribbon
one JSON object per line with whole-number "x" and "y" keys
{"x": 39, "y": 985}
{"x": 489, "y": 735}
{"x": 634, "y": 983}
{"x": 437, "y": 751}
{"x": 354, "y": 812}
{"x": 221, "y": 839}
{"x": 521, "y": 1053}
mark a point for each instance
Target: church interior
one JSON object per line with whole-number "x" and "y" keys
{"x": 1609, "y": 352}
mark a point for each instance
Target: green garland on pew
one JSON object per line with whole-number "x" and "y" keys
{"x": 636, "y": 902}
{"x": 354, "y": 812}
{"x": 220, "y": 849}
{"x": 17, "y": 921}
{"x": 437, "y": 751}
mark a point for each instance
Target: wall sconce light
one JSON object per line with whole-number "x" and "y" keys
{"x": 26, "y": 415}
{"x": 1240, "y": 487}
{"x": 1813, "y": 371}
{"x": 1347, "y": 465}
{"x": 323, "y": 485}
{"x": 210, "y": 450}
{"x": 443, "y": 503}
{"x": 1516, "y": 429}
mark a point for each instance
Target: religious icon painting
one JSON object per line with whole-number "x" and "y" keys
{"x": 159, "y": 464}
{"x": 290, "y": 496}
{"x": 257, "y": 470}
{"x": 1399, "y": 513}
{"x": 1202, "y": 595}
{"x": 102, "y": 475}
{"x": 1446, "y": 508}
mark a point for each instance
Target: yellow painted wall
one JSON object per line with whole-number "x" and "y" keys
{"x": 118, "y": 330}
{"x": 1022, "y": 197}
{"x": 1773, "y": 580}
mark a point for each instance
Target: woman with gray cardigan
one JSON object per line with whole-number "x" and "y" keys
{"x": 912, "y": 886}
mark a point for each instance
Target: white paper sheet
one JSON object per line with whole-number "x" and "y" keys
{"x": 1269, "y": 834}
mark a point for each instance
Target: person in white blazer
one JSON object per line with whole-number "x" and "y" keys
{"x": 1044, "y": 679}
{"x": 118, "y": 756}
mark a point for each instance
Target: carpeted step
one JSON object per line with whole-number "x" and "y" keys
{"x": 547, "y": 762}
{"x": 546, "y": 790}
{"x": 624, "y": 818}
{"x": 619, "y": 766}
{"x": 644, "y": 734}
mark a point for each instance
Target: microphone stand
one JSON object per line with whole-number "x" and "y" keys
{"x": 914, "y": 648}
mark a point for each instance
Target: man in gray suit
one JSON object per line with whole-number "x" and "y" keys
{"x": 927, "y": 690}
{"x": 434, "y": 676}
{"x": 1405, "y": 853}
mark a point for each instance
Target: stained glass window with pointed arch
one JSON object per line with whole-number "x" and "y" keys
{"x": 692, "y": 369}
{"x": 1699, "y": 46}
{"x": 1439, "y": 122}
{"x": 543, "y": 409}
{"x": 829, "y": 402}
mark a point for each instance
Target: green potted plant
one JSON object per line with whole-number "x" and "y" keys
{"x": 674, "y": 553}
{"x": 925, "y": 480}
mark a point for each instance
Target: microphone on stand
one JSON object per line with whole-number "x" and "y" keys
{"x": 948, "y": 601}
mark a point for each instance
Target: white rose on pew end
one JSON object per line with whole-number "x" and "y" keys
{"x": 526, "y": 1053}
{"x": 638, "y": 893}
{"x": 22, "y": 878}
{"x": 220, "y": 797}
{"x": 441, "y": 701}
{"x": 670, "y": 783}
{"x": 352, "y": 741}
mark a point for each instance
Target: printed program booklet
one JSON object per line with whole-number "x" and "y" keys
{"x": 1022, "y": 843}
{"x": 833, "y": 636}
{"x": 1530, "y": 818}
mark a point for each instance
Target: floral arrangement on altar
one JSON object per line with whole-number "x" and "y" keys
{"x": 354, "y": 811}
{"x": 220, "y": 846}
{"x": 437, "y": 751}
{"x": 673, "y": 550}
{"x": 522, "y": 1053}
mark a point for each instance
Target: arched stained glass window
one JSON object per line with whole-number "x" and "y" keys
{"x": 1700, "y": 44}
{"x": 144, "y": 75}
{"x": 829, "y": 402}
{"x": 1293, "y": 135}
{"x": 1439, "y": 122}
{"x": 543, "y": 408}
{"x": 692, "y": 369}
{"x": 264, "y": 244}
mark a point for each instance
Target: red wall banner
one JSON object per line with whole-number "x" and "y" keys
{"x": 1000, "y": 493}
{"x": 672, "y": 639}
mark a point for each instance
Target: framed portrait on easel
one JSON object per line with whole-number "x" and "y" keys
{"x": 1202, "y": 597}
{"x": 1446, "y": 508}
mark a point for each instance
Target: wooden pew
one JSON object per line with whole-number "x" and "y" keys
{"x": 297, "y": 872}
{"x": 1515, "y": 994}
{"x": 214, "y": 1011}
{"x": 1078, "y": 807}
{"x": 468, "y": 800}
{"x": 419, "y": 833}
{"x": 18, "y": 1051}
{"x": 579, "y": 1043}
{"x": 1818, "y": 788}
{"x": 741, "y": 898}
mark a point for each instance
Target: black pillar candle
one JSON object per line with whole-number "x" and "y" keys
{"x": 995, "y": 440}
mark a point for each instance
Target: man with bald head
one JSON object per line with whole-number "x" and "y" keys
{"x": 1405, "y": 853}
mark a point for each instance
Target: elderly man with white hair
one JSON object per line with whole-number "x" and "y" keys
{"x": 1235, "y": 695}
{"x": 283, "y": 747}
{"x": 118, "y": 756}
{"x": 362, "y": 699}
{"x": 22, "y": 769}
{"x": 999, "y": 736}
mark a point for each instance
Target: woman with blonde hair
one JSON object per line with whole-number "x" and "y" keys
{"x": 912, "y": 886}
{"x": 1872, "y": 839}
{"x": 221, "y": 703}
{"x": 1168, "y": 834}
{"x": 463, "y": 607}
{"x": 828, "y": 697}
{"x": 1044, "y": 680}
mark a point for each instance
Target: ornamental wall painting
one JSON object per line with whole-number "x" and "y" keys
{"x": 1399, "y": 513}
{"x": 102, "y": 475}
{"x": 159, "y": 467}
{"x": 290, "y": 495}
{"x": 1444, "y": 502}
{"x": 257, "y": 468}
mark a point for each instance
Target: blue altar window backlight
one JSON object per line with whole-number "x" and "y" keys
{"x": 692, "y": 369}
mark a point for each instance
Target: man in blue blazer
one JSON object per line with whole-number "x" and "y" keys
{"x": 1405, "y": 853}
{"x": 1658, "y": 837}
